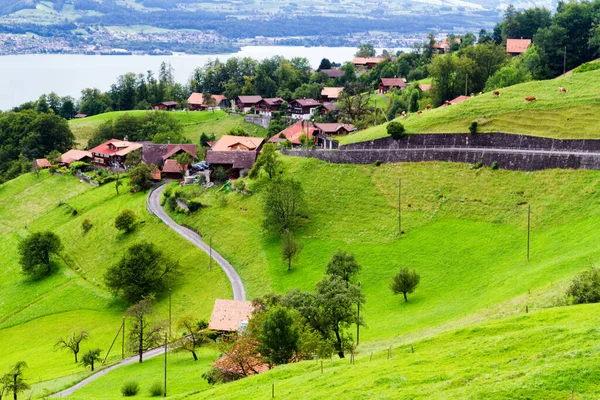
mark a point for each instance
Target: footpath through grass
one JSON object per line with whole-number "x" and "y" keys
{"x": 194, "y": 124}
{"x": 34, "y": 314}
{"x": 553, "y": 114}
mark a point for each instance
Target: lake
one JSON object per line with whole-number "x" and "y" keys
{"x": 26, "y": 77}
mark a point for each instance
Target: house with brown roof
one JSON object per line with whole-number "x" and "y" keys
{"x": 157, "y": 154}
{"x": 112, "y": 154}
{"x": 74, "y": 155}
{"x": 80, "y": 116}
{"x": 268, "y": 106}
{"x": 333, "y": 73}
{"x": 196, "y": 102}
{"x": 41, "y": 163}
{"x": 387, "y": 84}
{"x": 329, "y": 108}
{"x": 330, "y": 94}
{"x": 303, "y": 108}
{"x": 165, "y": 106}
{"x": 457, "y": 100}
{"x": 514, "y": 47}
{"x": 445, "y": 45}
{"x": 333, "y": 129}
{"x": 293, "y": 133}
{"x": 228, "y": 315}
{"x": 245, "y": 103}
{"x": 366, "y": 63}
{"x": 424, "y": 87}
{"x": 172, "y": 170}
{"x": 234, "y": 153}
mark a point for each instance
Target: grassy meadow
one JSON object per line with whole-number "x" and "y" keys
{"x": 34, "y": 314}
{"x": 194, "y": 124}
{"x": 570, "y": 115}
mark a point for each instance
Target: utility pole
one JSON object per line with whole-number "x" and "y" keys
{"x": 399, "y": 204}
{"x": 565, "y": 61}
{"x": 528, "y": 228}
{"x": 170, "y": 320}
{"x": 210, "y": 254}
{"x": 466, "y": 84}
{"x": 123, "y": 339}
{"x": 165, "y": 392}
{"x": 358, "y": 317}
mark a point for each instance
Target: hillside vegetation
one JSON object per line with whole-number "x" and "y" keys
{"x": 570, "y": 115}
{"x": 34, "y": 314}
{"x": 194, "y": 124}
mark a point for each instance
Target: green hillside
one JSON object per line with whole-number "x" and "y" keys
{"x": 74, "y": 297}
{"x": 194, "y": 124}
{"x": 570, "y": 115}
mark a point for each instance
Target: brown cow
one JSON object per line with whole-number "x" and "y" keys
{"x": 428, "y": 106}
{"x": 529, "y": 99}
{"x": 419, "y": 112}
{"x": 497, "y": 93}
{"x": 562, "y": 90}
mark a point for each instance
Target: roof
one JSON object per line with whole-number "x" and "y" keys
{"x": 168, "y": 103}
{"x": 517, "y": 46}
{"x": 156, "y": 174}
{"x": 227, "y": 314}
{"x": 367, "y": 60}
{"x": 249, "y": 99}
{"x": 333, "y": 73}
{"x": 446, "y": 43}
{"x": 334, "y": 127}
{"x": 175, "y": 148}
{"x": 307, "y": 102}
{"x": 293, "y": 132}
{"x": 273, "y": 101}
{"x": 457, "y": 100}
{"x": 237, "y": 159}
{"x": 330, "y": 106}
{"x": 396, "y": 82}
{"x": 74, "y": 155}
{"x": 332, "y": 92}
{"x": 43, "y": 163}
{"x": 227, "y": 142}
{"x": 80, "y": 116}
{"x": 198, "y": 99}
{"x": 172, "y": 166}
{"x": 116, "y": 147}
{"x": 425, "y": 87}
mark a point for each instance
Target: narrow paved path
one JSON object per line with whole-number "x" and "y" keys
{"x": 101, "y": 373}
{"x": 155, "y": 208}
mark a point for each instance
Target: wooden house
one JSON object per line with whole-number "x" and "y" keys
{"x": 330, "y": 94}
{"x": 303, "y": 108}
{"x": 515, "y": 47}
{"x": 268, "y": 106}
{"x": 234, "y": 153}
{"x": 245, "y": 103}
{"x": 366, "y": 63}
{"x": 74, "y": 155}
{"x": 228, "y": 315}
{"x": 293, "y": 133}
{"x": 172, "y": 170}
{"x": 333, "y": 73}
{"x": 196, "y": 102}
{"x": 387, "y": 84}
{"x": 112, "y": 154}
{"x": 165, "y": 106}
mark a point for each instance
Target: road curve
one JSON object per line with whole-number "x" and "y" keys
{"x": 155, "y": 208}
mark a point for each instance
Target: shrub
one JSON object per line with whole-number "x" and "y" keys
{"x": 377, "y": 163}
{"x": 86, "y": 225}
{"x": 130, "y": 388}
{"x": 473, "y": 127}
{"x": 585, "y": 287}
{"x": 239, "y": 185}
{"x": 585, "y": 67}
{"x": 53, "y": 169}
{"x": 156, "y": 389}
{"x": 172, "y": 202}
{"x": 477, "y": 165}
{"x": 219, "y": 175}
{"x": 194, "y": 205}
{"x": 125, "y": 221}
{"x": 396, "y": 130}
{"x": 494, "y": 165}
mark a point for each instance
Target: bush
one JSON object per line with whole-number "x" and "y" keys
{"x": 396, "y": 130}
{"x": 585, "y": 67}
{"x": 239, "y": 185}
{"x": 53, "y": 169}
{"x": 86, "y": 225}
{"x": 477, "y": 165}
{"x": 494, "y": 165}
{"x": 130, "y": 388}
{"x": 377, "y": 163}
{"x": 125, "y": 221}
{"x": 156, "y": 390}
{"x": 473, "y": 127}
{"x": 194, "y": 205}
{"x": 172, "y": 202}
{"x": 585, "y": 287}
{"x": 219, "y": 175}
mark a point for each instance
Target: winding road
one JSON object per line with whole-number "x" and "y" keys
{"x": 239, "y": 292}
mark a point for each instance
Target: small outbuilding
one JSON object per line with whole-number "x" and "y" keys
{"x": 229, "y": 315}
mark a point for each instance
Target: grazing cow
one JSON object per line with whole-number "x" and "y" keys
{"x": 529, "y": 99}
{"x": 419, "y": 112}
{"x": 404, "y": 114}
{"x": 497, "y": 93}
{"x": 480, "y": 93}
{"x": 562, "y": 90}
{"x": 428, "y": 106}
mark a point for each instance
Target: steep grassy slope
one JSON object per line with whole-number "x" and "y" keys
{"x": 33, "y": 314}
{"x": 571, "y": 115}
{"x": 465, "y": 232}
{"x": 194, "y": 124}
{"x": 544, "y": 355}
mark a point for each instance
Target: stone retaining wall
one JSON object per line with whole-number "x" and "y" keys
{"x": 259, "y": 120}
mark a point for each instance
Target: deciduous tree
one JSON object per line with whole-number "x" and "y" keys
{"x": 125, "y": 221}
{"x": 13, "y": 381}
{"x": 144, "y": 335}
{"x": 267, "y": 161}
{"x": 343, "y": 265}
{"x": 72, "y": 342}
{"x": 283, "y": 203}
{"x": 289, "y": 249}
{"x": 405, "y": 282}
{"x": 36, "y": 251}
{"x": 279, "y": 338}
{"x": 90, "y": 358}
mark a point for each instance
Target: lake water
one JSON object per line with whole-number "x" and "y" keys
{"x": 26, "y": 77}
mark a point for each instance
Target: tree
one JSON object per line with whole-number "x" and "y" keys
{"x": 191, "y": 338}
{"x": 204, "y": 139}
{"x": 90, "y": 358}
{"x": 267, "y": 161}
{"x": 289, "y": 249}
{"x": 184, "y": 159}
{"x": 354, "y": 108}
{"x": 143, "y": 270}
{"x": 405, "y": 282}
{"x": 125, "y": 221}
{"x": 585, "y": 287}
{"x": 72, "y": 342}
{"x": 395, "y": 129}
{"x": 325, "y": 64}
{"x": 209, "y": 101}
{"x": 140, "y": 177}
{"x": 13, "y": 381}
{"x": 237, "y": 131}
{"x": 279, "y": 337}
{"x": 283, "y": 202}
{"x": 144, "y": 335}
{"x": 36, "y": 250}
{"x": 343, "y": 265}
{"x": 134, "y": 158}
{"x": 365, "y": 50}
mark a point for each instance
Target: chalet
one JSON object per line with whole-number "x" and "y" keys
{"x": 333, "y": 73}
{"x": 234, "y": 153}
{"x": 157, "y": 154}
{"x": 303, "y": 108}
{"x": 172, "y": 170}
{"x": 445, "y": 45}
{"x": 424, "y": 87}
{"x": 268, "y": 106}
{"x": 165, "y": 106}
{"x": 325, "y": 132}
{"x": 329, "y": 108}
{"x": 457, "y": 100}
{"x": 74, "y": 155}
{"x": 514, "y": 47}
{"x": 387, "y": 84}
{"x": 245, "y": 103}
{"x": 41, "y": 163}
{"x": 196, "y": 102}
{"x": 229, "y": 315}
{"x": 112, "y": 154}
{"x": 80, "y": 116}
{"x": 293, "y": 133}
{"x": 366, "y": 63}
{"x": 330, "y": 94}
